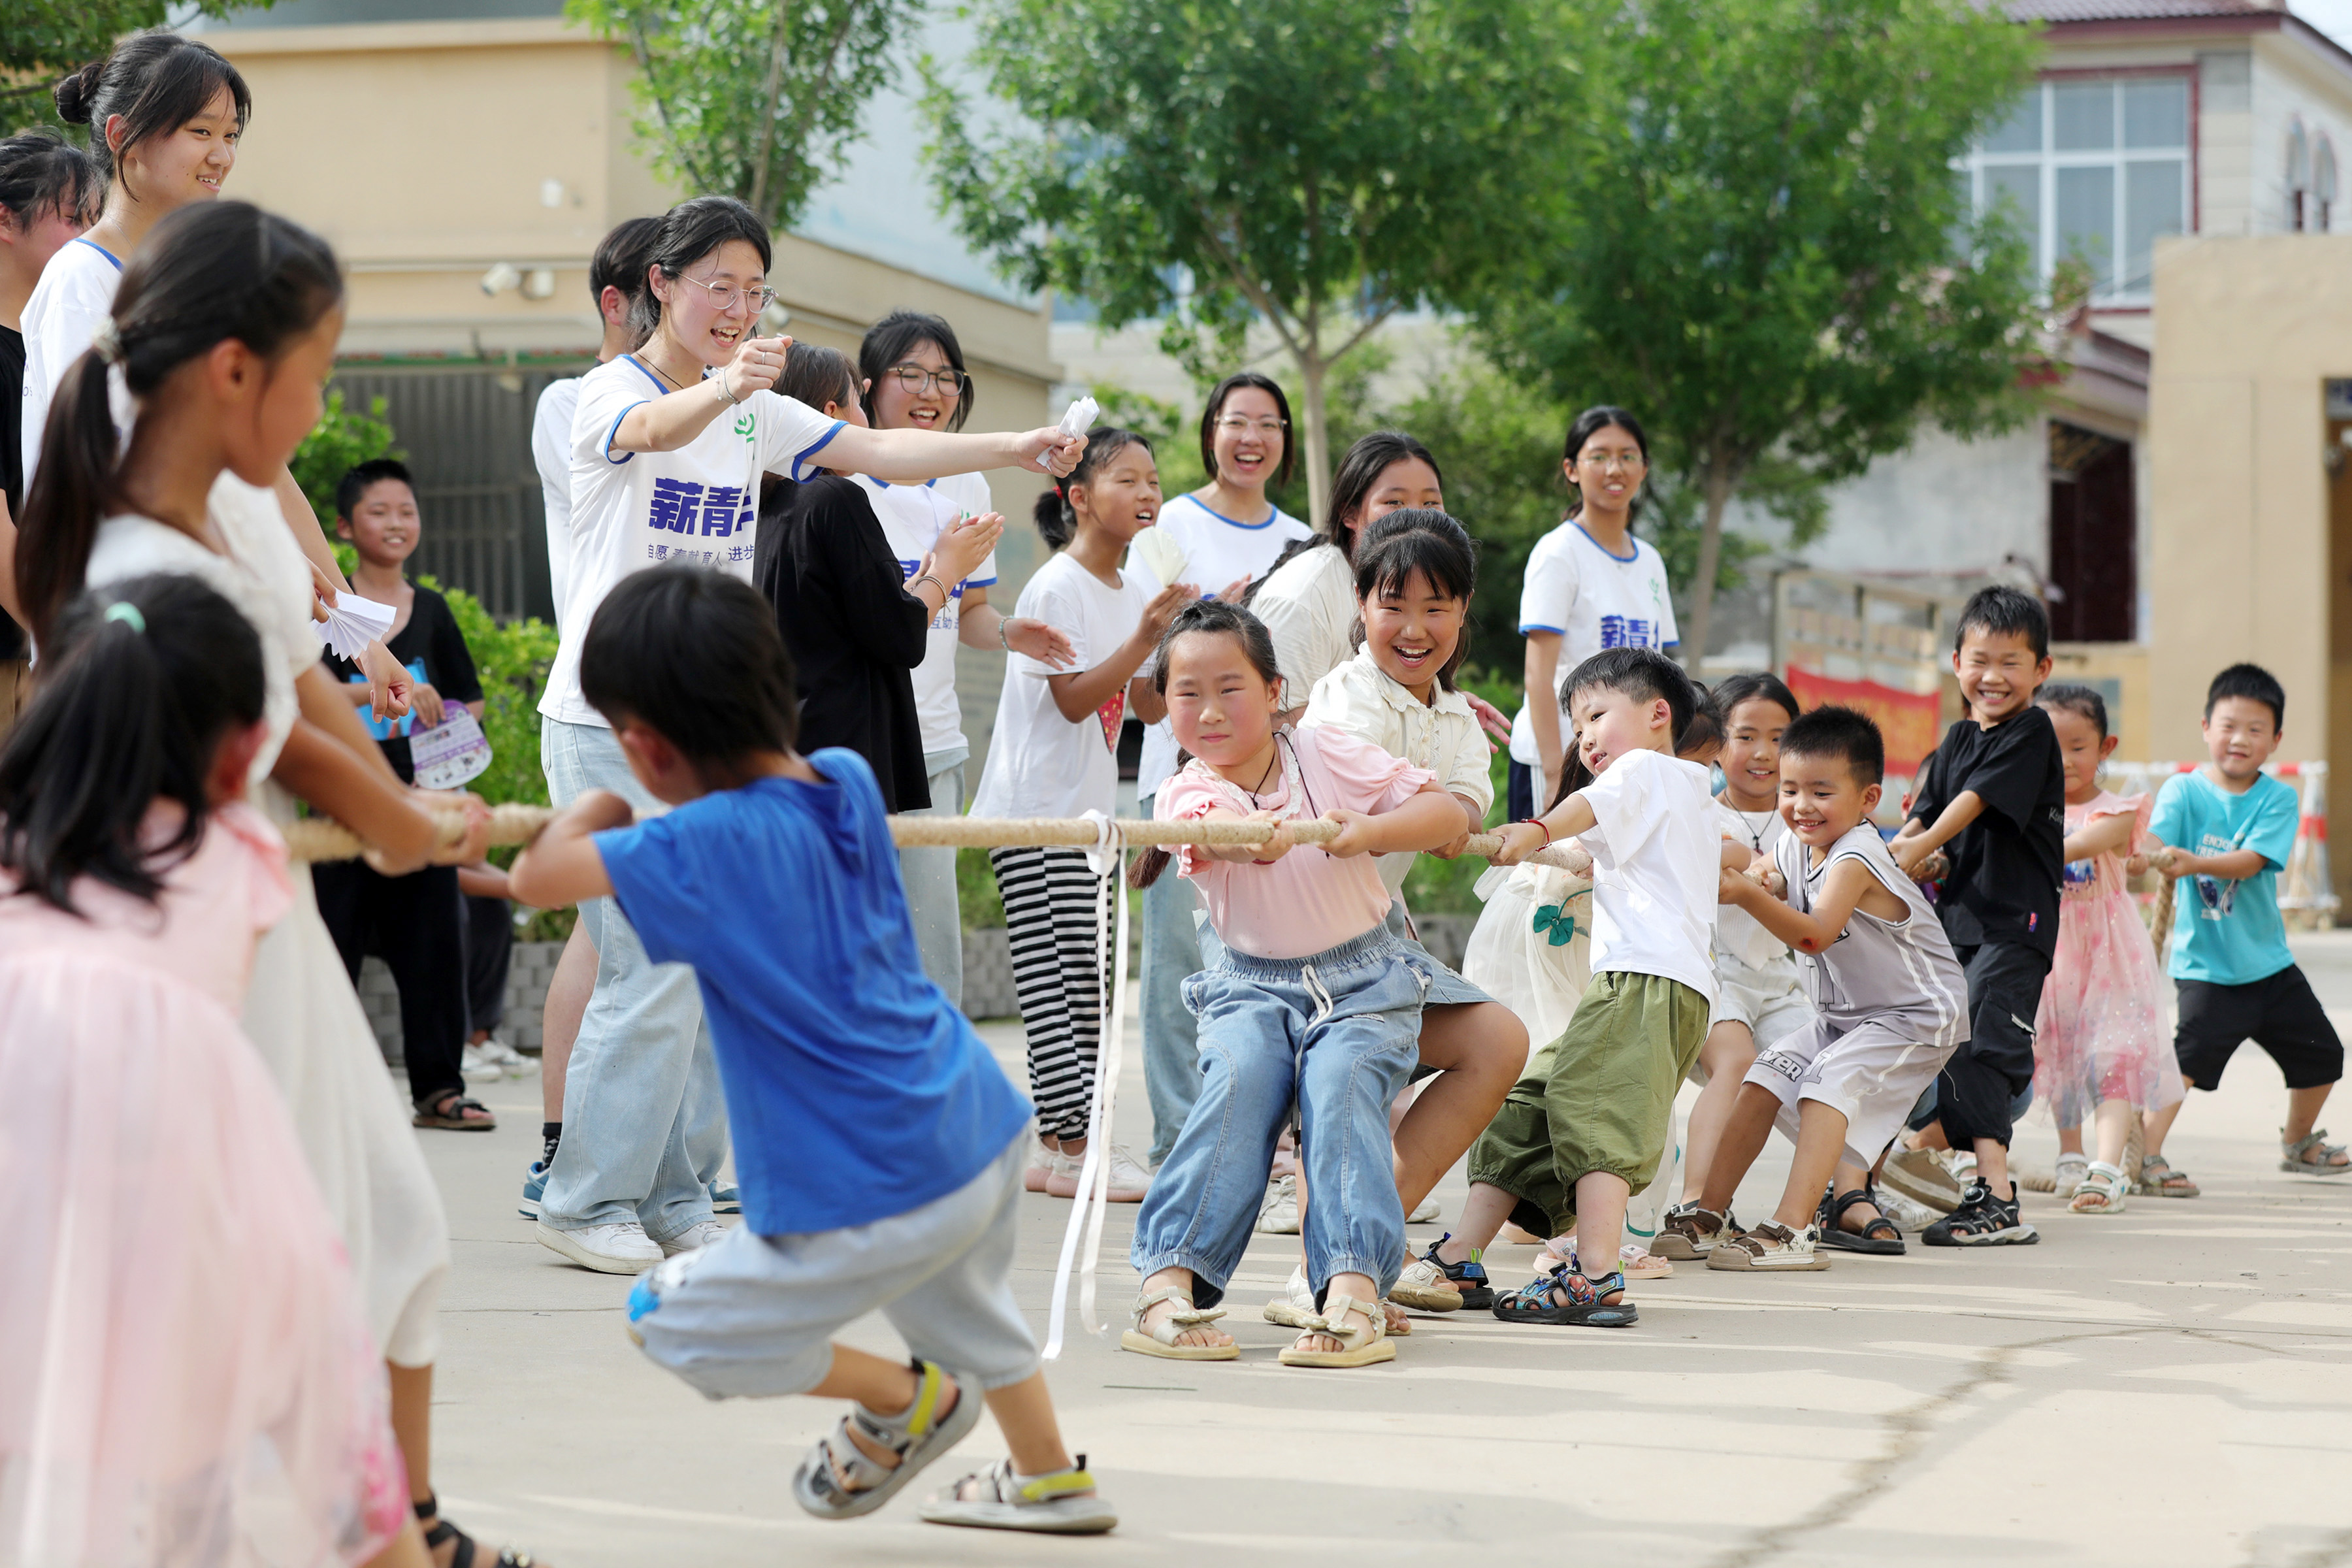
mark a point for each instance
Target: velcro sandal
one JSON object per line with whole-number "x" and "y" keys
{"x": 2103, "y": 1190}
{"x": 1160, "y": 1339}
{"x": 1772, "y": 1246}
{"x": 998, "y": 1498}
{"x": 2314, "y": 1156}
{"x": 1429, "y": 1284}
{"x": 1580, "y": 1303}
{"x": 1360, "y": 1346}
{"x": 1688, "y": 1233}
{"x": 839, "y": 1481}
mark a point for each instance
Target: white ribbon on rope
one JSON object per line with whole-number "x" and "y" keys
{"x": 1107, "y": 857}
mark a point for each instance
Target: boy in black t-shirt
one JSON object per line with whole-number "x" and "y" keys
{"x": 415, "y": 923}
{"x": 1993, "y": 797}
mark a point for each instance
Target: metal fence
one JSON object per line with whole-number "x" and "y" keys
{"x": 467, "y": 431}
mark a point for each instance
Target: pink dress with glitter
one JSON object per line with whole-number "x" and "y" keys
{"x": 189, "y": 1376}
{"x": 2100, "y": 1032}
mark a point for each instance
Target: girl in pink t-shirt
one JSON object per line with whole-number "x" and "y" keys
{"x": 1314, "y": 1001}
{"x": 196, "y": 1377}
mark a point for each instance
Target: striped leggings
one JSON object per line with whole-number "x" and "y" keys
{"x": 1052, "y": 910}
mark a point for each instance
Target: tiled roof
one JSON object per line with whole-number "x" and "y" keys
{"x": 2131, "y": 10}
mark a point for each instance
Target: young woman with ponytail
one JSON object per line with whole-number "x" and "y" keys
{"x": 1055, "y": 752}
{"x": 220, "y": 338}
{"x": 180, "y": 1283}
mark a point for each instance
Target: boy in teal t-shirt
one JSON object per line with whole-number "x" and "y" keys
{"x": 2232, "y": 828}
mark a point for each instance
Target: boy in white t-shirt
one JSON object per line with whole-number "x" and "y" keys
{"x": 1590, "y": 1120}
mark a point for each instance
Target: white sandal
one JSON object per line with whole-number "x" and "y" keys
{"x": 1160, "y": 1339}
{"x": 1360, "y": 1346}
{"x": 1295, "y": 1307}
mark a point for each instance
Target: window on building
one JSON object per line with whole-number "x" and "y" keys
{"x": 2298, "y": 175}
{"x": 2322, "y": 187}
{"x": 2093, "y": 170}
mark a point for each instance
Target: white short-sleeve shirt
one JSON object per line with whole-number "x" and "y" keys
{"x": 1218, "y": 552}
{"x": 1594, "y": 600}
{"x": 551, "y": 454}
{"x": 75, "y": 293}
{"x": 1309, "y": 606}
{"x": 1656, "y": 853}
{"x": 1441, "y": 735}
{"x": 1040, "y": 763}
{"x": 635, "y": 510}
{"x": 912, "y": 518}
{"x": 1737, "y": 933}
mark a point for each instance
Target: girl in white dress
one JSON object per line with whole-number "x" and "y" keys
{"x": 221, "y": 336}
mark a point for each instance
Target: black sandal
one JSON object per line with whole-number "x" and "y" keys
{"x": 1532, "y": 1302}
{"x": 448, "y": 1111}
{"x": 439, "y": 1532}
{"x": 1882, "y": 1238}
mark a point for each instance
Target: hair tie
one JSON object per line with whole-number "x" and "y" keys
{"x": 106, "y": 342}
{"x": 126, "y": 612}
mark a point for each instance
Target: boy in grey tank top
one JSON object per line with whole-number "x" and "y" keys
{"x": 1892, "y": 1004}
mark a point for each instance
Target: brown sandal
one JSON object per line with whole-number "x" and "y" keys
{"x": 449, "y": 1113}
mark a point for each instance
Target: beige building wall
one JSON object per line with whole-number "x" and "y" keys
{"x": 428, "y": 153}
{"x": 2243, "y": 567}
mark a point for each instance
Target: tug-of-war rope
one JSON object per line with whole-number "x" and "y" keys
{"x": 1106, "y": 841}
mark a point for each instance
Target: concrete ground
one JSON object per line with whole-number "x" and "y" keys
{"x": 2167, "y": 1386}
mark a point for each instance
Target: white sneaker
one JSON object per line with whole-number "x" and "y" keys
{"x": 1128, "y": 1180}
{"x": 1040, "y": 1166}
{"x": 471, "y": 1063}
{"x": 1908, "y": 1214}
{"x": 621, "y": 1247}
{"x": 2072, "y": 1166}
{"x": 1277, "y": 1213}
{"x": 1427, "y": 1214}
{"x": 504, "y": 1057}
{"x": 1295, "y": 1307}
{"x": 699, "y": 1235}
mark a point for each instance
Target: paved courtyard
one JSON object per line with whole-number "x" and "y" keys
{"x": 2168, "y": 1386}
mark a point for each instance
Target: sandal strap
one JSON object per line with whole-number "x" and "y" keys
{"x": 1172, "y": 1327}
{"x": 901, "y": 1432}
{"x": 2316, "y": 1140}
{"x": 1333, "y": 1320}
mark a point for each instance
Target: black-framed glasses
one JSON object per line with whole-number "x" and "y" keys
{"x": 724, "y": 295}
{"x": 918, "y": 381}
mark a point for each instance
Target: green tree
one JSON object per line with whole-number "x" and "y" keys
{"x": 339, "y": 442}
{"x": 1756, "y": 241}
{"x": 1314, "y": 166}
{"x": 755, "y": 99}
{"x": 43, "y": 40}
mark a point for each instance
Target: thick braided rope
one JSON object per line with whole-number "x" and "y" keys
{"x": 319, "y": 839}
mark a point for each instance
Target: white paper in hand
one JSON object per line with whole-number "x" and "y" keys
{"x": 352, "y": 623}
{"x": 1160, "y": 556}
{"x": 452, "y": 753}
{"x": 1078, "y": 419}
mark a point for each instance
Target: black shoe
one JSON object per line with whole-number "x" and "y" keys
{"x": 1982, "y": 1220}
{"x": 1882, "y": 1238}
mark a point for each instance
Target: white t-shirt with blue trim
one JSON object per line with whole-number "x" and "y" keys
{"x": 1594, "y": 600}
{"x": 912, "y": 518}
{"x": 632, "y": 511}
{"x": 76, "y": 292}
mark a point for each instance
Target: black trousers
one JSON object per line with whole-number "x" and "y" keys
{"x": 490, "y": 948}
{"x": 1974, "y": 1091}
{"x": 414, "y": 924}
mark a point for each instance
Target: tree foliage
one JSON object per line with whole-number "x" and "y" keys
{"x": 1756, "y": 241}
{"x": 42, "y": 40}
{"x": 1314, "y": 166}
{"x": 755, "y": 99}
{"x": 340, "y": 441}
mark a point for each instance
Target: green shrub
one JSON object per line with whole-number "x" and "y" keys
{"x": 339, "y": 442}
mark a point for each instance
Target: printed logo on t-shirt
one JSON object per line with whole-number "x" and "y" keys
{"x": 687, "y": 508}
{"x": 2079, "y": 875}
{"x": 1110, "y": 714}
{"x": 2216, "y": 896}
{"x": 1628, "y": 631}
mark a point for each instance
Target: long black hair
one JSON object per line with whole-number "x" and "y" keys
{"x": 1215, "y": 410}
{"x": 1418, "y": 539}
{"x": 211, "y": 271}
{"x": 894, "y": 337}
{"x": 1352, "y": 487}
{"x": 157, "y": 81}
{"x": 1052, "y": 514}
{"x": 140, "y": 681}
{"x": 1217, "y": 618}
{"x": 41, "y": 172}
{"x": 817, "y": 375}
{"x": 1591, "y": 422}
{"x": 690, "y": 231}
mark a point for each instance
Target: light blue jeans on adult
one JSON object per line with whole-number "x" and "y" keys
{"x": 645, "y": 1123}
{"x": 1172, "y": 955}
{"x": 929, "y": 874}
{"x": 1338, "y": 1031}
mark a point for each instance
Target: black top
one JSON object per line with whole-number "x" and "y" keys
{"x": 855, "y": 631}
{"x": 2007, "y": 863}
{"x": 434, "y": 651}
{"x": 12, "y": 459}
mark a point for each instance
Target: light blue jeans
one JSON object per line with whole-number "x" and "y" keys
{"x": 1338, "y": 1033}
{"x": 1171, "y": 954}
{"x": 929, "y": 874}
{"x": 644, "y": 1124}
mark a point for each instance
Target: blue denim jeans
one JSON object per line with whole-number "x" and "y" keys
{"x": 929, "y": 874}
{"x": 1172, "y": 955}
{"x": 1337, "y": 1031}
{"x": 644, "y": 1125}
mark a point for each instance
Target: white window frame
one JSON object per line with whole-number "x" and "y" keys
{"x": 2049, "y": 159}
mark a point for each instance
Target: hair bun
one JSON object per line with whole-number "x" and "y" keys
{"x": 74, "y": 93}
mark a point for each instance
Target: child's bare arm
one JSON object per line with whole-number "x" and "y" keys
{"x": 1849, "y": 884}
{"x": 1911, "y": 848}
{"x": 2109, "y": 833}
{"x": 1264, "y": 854}
{"x": 1430, "y": 818}
{"x": 1566, "y": 820}
{"x": 2233, "y": 866}
{"x": 562, "y": 865}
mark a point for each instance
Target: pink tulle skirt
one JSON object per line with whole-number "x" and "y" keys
{"x": 187, "y": 1375}
{"x": 2100, "y": 1033}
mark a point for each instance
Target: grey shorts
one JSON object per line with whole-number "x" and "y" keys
{"x": 1872, "y": 1074}
{"x": 755, "y": 1315}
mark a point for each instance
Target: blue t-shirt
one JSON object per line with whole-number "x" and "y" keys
{"x": 2229, "y": 933}
{"x": 854, "y": 1090}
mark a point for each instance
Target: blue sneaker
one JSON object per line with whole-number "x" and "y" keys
{"x": 534, "y": 1187}
{"x": 726, "y": 1198}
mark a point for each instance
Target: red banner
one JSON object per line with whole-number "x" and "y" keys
{"x": 1907, "y": 720}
